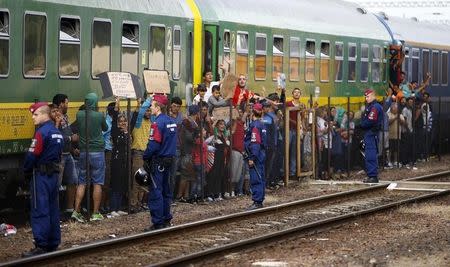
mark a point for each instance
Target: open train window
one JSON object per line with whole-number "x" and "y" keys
{"x": 242, "y": 53}
{"x": 339, "y": 62}
{"x": 435, "y": 68}
{"x": 325, "y": 61}
{"x": 294, "y": 59}
{"x": 4, "y": 43}
{"x": 310, "y": 57}
{"x": 101, "y": 47}
{"x": 260, "y": 56}
{"x": 130, "y": 48}
{"x": 425, "y": 63}
{"x": 364, "y": 63}
{"x": 277, "y": 57}
{"x": 351, "y": 75}
{"x": 35, "y": 45}
{"x": 376, "y": 64}
{"x": 176, "y": 62}
{"x": 444, "y": 68}
{"x": 415, "y": 65}
{"x": 157, "y": 50}
{"x": 69, "y": 47}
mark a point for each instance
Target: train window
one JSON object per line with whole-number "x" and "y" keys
{"x": 435, "y": 68}
{"x": 338, "y": 62}
{"x": 376, "y": 64}
{"x": 324, "y": 61}
{"x": 227, "y": 42}
{"x": 444, "y": 68}
{"x": 101, "y": 47}
{"x": 130, "y": 48}
{"x": 364, "y": 63}
{"x": 4, "y": 43}
{"x": 351, "y": 76}
{"x": 277, "y": 57}
{"x": 425, "y": 63}
{"x": 294, "y": 59}
{"x": 260, "y": 56}
{"x": 35, "y": 45}
{"x": 69, "y": 48}
{"x": 415, "y": 65}
{"x": 310, "y": 55}
{"x": 176, "y": 62}
{"x": 157, "y": 51}
{"x": 242, "y": 53}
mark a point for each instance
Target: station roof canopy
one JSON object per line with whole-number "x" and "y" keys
{"x": 173, "y": 8}
{"x": 420, "y": 33}
{"x": 318, "y": 16}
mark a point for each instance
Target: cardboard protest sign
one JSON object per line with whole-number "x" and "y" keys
{"x": 122, "y": 84}
{"x": 223, "y": 113}
{"x": 157, "y": 81}
{"x": 228, "y": 85}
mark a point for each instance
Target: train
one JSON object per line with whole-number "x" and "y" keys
{"x": 328, "y": 48}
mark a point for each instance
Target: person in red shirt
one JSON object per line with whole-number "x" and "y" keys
{"x": 241, "y": 93}
{"x": 237, "y": 159}
{"x": 295, "y": 102}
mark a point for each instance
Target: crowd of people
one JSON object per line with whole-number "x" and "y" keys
{"x": 195, "y": 156}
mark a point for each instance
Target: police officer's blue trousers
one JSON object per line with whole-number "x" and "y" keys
{"x": 257, "y": 182}
{"x": 371, "y": 153}
{"x": 45, "y": 211}
{"x": 160, "y": 198}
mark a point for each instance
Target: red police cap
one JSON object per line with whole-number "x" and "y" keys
{"x": 257, "y": 107}
{"x": 161, "y": 99}
{"x": 37, "y": 105}
{"x": 368, "y": 92}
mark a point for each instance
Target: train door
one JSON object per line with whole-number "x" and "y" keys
{"x": 210, "y": 50}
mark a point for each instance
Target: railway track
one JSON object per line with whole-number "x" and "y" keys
{"x": 193, "y": 241}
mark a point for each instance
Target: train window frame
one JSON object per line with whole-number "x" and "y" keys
{"x": 103, "y": 20}
{"x": 433, "y": 53}
{"x": 309, "y": 57}
{"x": 226, "y": 56}
{"x": 415, "y": 57}
{"x": 77, "y": 42}
{"x": 277, "y": 53}
{"x": 352, "y": 59}
{"x": 261, "y": 53}
{"x": 176, "y": 48}
{"x": 295, "y": 55}
{"x": 325, "y": 57}
{"x": 406, "y": 64}
{"x": 376, "y": 60}
{"x": 6, "y": 36}
{"x": 241, "y": 52}
{"x": 444, "y": 73}
{"x": 35, "y": 13}
{"x": 423, "y": 52}
{"x": 133, "y": 45}
{"x": 364, "y": 60}
{"x": 339, "y": 58}
{"x": 159, "y": 25}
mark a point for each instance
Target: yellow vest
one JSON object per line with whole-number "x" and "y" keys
{"x": 140, "y": 135}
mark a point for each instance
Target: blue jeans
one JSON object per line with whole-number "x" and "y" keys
{"x": 292, "y": 152}
{"x": 196, "y": 188}
{"x": 96, "y": 165}
{"x": 69, "y": 174}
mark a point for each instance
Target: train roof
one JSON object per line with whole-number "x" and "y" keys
{"x": 318, "y": 16}
{"x": 419, "y": 33}
{"x": 173, "y": 8}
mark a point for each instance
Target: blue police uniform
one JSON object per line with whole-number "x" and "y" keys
{"x": 43, "y": 158}
{"x": 255, "y": 142}
{"x": 371, "y": 123}
{"x": 161, "y": 150}
{"x": 269, "y": 120}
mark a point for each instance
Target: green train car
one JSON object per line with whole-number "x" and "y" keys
{"x": 325, "y": 47}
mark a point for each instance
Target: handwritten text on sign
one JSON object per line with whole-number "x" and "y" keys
{"x": 121, "y": 84}
{"x": 223, "y": 113}
{"x": 157, "y": 81}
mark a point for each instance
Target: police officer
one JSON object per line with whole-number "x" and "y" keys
{"x": 255, "y": 145}
{"x": 371, "y": 122}
{"x": 159, "y": 155}
{"x": 42, "y": 160}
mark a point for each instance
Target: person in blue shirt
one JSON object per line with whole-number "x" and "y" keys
{"x": 159, "y": 157}
{"x": 42, "y": 160}
{"x": 270, "y": 122}
{"x": 371, "y": 123}
{"x": 255, "y": 142}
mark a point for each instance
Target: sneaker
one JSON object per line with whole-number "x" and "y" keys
{"x": 114, "y": 214}
{"x": 78, "y": 217}
{"x": 388, "y": 166}
{"x": 121, "y": 213}
{"x": 233, "y": 194}
{"x": 226, "y": 195}
{"x": 414, "y": 168}
{"x": 97, "y": 217}
{"x": 209, "y": 199}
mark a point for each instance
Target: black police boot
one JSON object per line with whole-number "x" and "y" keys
{"x": 35, "y": 251}
{"x": 255, "y": 206}
{"x": 167, "y": 223}
{"x": 371, "y": 180}
{"x": 154, "y": 227}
